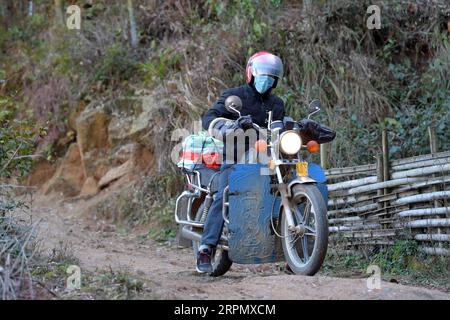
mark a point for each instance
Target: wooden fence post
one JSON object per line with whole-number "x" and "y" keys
{"x": 385, "y": 150}
{"x": 433, "y": 139}
{"x": 380, "y": 192}
{"x": 434, "y": 149}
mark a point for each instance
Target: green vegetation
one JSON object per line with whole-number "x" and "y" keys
{"x": 401, "y": 263}
{"x": 115, "y": 285}
{"x": 50, "y": 275}
{"x": 156, "y": 69}
{"x": 15, "y": 141}
{"x": 52, "y": 270}
{"x": 116, "y": 65}
{"x": 396, "y": 77}
{"x": 18, "y": 246}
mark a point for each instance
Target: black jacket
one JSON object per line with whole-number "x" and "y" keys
{"x": 253, "y": 103}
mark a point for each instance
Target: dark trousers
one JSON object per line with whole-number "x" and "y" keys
{"x": 214, "y": 221}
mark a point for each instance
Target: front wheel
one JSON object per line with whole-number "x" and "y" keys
{"x": 305, "y": 244}
{"x": 220, "y": 261}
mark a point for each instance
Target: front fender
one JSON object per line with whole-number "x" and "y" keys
{"x": 316, "y": 175}
{"x": 299, "y": 180}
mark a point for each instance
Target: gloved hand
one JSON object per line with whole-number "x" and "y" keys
{"x": 221, "y": 127}
{"x": 244, "y": 122}
{"x": 312, "y": 130}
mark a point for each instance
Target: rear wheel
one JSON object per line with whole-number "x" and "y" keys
{"x": 305, "y": 246}
{"x": 220, "y": 261}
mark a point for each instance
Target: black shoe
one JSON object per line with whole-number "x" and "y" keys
{"x": 204, "y": 261}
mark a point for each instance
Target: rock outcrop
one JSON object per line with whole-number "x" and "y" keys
{"x": 90, "y": 187}
{"x": 116, "y": 173}
{"x": 92, "y": 129}
{"x": 106, "y": 150}
{"x": 69, "y": 177}
{"x": 92, "y": 137}
{"x": 41, "y": 173}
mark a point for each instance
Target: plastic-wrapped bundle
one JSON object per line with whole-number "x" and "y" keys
{"x": 201, "y": 150}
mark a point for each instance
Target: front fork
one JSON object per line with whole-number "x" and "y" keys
{"x": 286, "y": 206}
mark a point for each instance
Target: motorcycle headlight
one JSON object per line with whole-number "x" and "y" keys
{"x": 290, "y": 142}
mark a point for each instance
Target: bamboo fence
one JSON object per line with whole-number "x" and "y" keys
{"x": 377, "y": 204}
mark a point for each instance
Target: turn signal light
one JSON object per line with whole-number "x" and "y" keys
{"x": 312, "y": 146}
{"x": 261, "y": 146}
{"x": 271, "y": 165}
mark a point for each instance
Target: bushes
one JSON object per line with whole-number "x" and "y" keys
{"x": 361, "y": 76}
{"x": 396, "y": 259}
{"x": 14, "y": 153}
{"x": 364, "y": 77}
{"x": 116, "y": 65}
{"x": 17, "y": 248}
{"x": 15, "y": 141}
{"x": 421, "y": 91}
{"x": 401, "y": 263}
{"x": 155, "y": 70}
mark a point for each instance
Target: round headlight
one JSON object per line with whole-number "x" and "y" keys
{"x": 290, "y": 142}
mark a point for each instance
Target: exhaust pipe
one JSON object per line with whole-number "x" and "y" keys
{"x": 191, "y": 235}
{"x": 194, "y": 236}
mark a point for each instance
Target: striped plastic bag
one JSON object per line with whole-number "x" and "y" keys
{"x": 201, "y": 150}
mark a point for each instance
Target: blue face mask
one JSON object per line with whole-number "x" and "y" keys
{"x": 263, "y": 83}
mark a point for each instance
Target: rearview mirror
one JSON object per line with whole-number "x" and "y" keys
{"x": 233, "y": 104}
{"x": 314, "y": 107}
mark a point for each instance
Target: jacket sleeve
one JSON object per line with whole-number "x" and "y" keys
{"x": 278, "y": 111}
{"x": 217, "y": 110}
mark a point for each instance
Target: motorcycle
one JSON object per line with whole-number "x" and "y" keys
{"x": 279, "y": 216}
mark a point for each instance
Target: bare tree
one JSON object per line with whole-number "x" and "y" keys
{"x": 3, "y": 11}
{"x": 307, "y": 5}
{"x": 9, "y": 10}
{"x": 30, "y": 8}
{"x": 59, "y": 12}
{"x": 133, "y": 28}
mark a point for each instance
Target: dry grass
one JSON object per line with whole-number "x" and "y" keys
{"x": 18, "y": 247}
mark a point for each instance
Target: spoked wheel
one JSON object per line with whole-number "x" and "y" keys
{"x": 305, "y": 245}
{"x": 220, "y": 261}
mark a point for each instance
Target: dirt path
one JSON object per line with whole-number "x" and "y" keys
{"x": 171, "y": 273}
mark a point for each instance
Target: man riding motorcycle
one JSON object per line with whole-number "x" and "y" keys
{"x": 263, "y": 71}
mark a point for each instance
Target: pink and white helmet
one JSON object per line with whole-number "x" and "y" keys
{"x": 263, "y": 63}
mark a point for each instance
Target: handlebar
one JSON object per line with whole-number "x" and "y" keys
{"x": 256, "y": 126}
